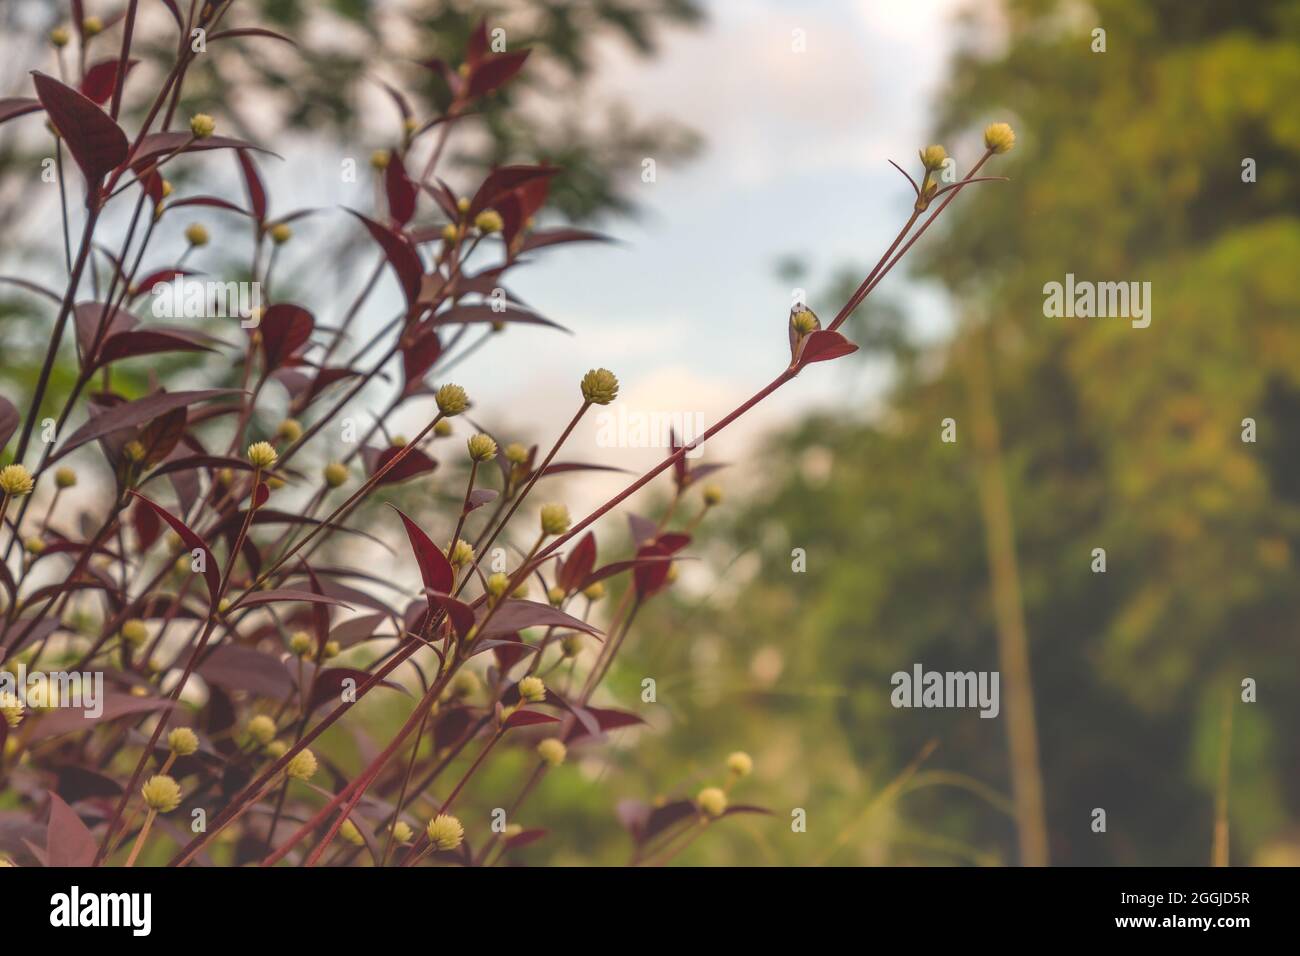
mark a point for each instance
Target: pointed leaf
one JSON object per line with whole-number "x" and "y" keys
{"x": 95, "y": 141}
{"x": 211, "y": 572}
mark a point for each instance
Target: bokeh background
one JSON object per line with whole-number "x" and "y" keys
{"x": 770, "y": 125}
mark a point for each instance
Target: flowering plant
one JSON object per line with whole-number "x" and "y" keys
{"x": 227, "y": 645}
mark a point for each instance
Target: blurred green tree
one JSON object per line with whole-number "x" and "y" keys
{"x": 1133, "y": 164}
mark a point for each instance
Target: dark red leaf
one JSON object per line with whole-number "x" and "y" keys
{"x": 578, "y": 564}
{"x": 68, "y": 841}
{"x": 435, "y": 570}
{"x": 329, "y": 684}
{"x": 13, "y": 106}
{"x": 137, "y": 412}
{"x": 211, "y": 570}
{"x": 495, "y": 72}
{"x": 100, "y": 79}
{"x": 477, "y": 46}
{"x": 479, "y": 497}
{"x": 413, "y": 463}
{"x": 95, "y": 141}
{"x": 156, "y": 145}
{"x": 554, "y": 237}
{"x": 243, "y": 668}
{"x": 527, "y": 718}
{"x": 460, "y": 613}
{"x": 824, "y": 345}
{"x": 278, "y": 595}
{"x": 485, "y": 313}
{"x": 525, "y": 837}
{"x": 252, "y": 185}
{"x": 9, "y": 419}
{"x": 252, "y": 32}
{"x": 285, "y": 329}
{"x": 400, "y": 255}
{"x": 504, "y": 179}
{"x": 401, "y": 191}
{"x": 150, "y": 341}
{"x": 161, "y": 435}
{"x": 513, "y": 615}
{"x": 418, "y": 357}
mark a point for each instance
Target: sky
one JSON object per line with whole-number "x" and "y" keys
{"x": 688, "y": 308}
{"x": 800, "y": 107}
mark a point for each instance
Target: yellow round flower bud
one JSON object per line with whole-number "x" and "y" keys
{"x": 15, "y": 480}
{"x": 712, "y": 801}
{"x": 302, "y": 766}
{"x": 133, "y": 451}
{"x": 594, "y": 591}
{"x": 712, "y": 495}
{"x": 379, "y": 159}
{"x": 161, "y": 794}
{"x": 571, "y": 645}
{"x": 450, "y": 233}
{"x": 555, "y": 595}
{"x": 532, "y": 689}
{"x": 932, "y": 157}
{"x": 11, "y": 708}
{"x": 331, "y": 649}
{"x": 92, "y": 26}
{"x": 59, "y": 37}
{"x": 65, "y": 478}
{"x": 460, "y": 554}
{"x": 462, "y": 204}
{"x": 262, "y": 729}
{"x": 33, "y": 545}
{"x": 134, "y": 632}
{"x": 281, "y": 233}
{"x": 276, "y": 749}
{"x": 196, "y": 234}
{"x": 555, "y": 519}
{"x": 521, "y": 591}
{"x": 349, "y": 832}
{"x": 464, "y": 684}
{"x": 166, "y": 188}
{"x": 336, "y": 473}
{"x": 445, "y": 832}
{"x": 497, "y": 584}
{"x": 482, "y": 448}
{"x": 402, "y": 832}
{"x": 489, "y": 220}
{"x": 740, "y": 763}
{"x": 223, "y": 605}
{"x": 202, "y": 125}
{"x": 289, "y": 430}
{"x": 516, "y": 453}
{"x": 999, "y": 137}
{"x": 182, "y": 741}
{"x": 442, "y": 428}
{"x": 262, "y": 454}
{"x": 803, "y": 321}
{"x": 552, "y": 750}
{"x": 599, "y": 386}
{"x": 301, "y": 643}
{"x": 452, "y": 400}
